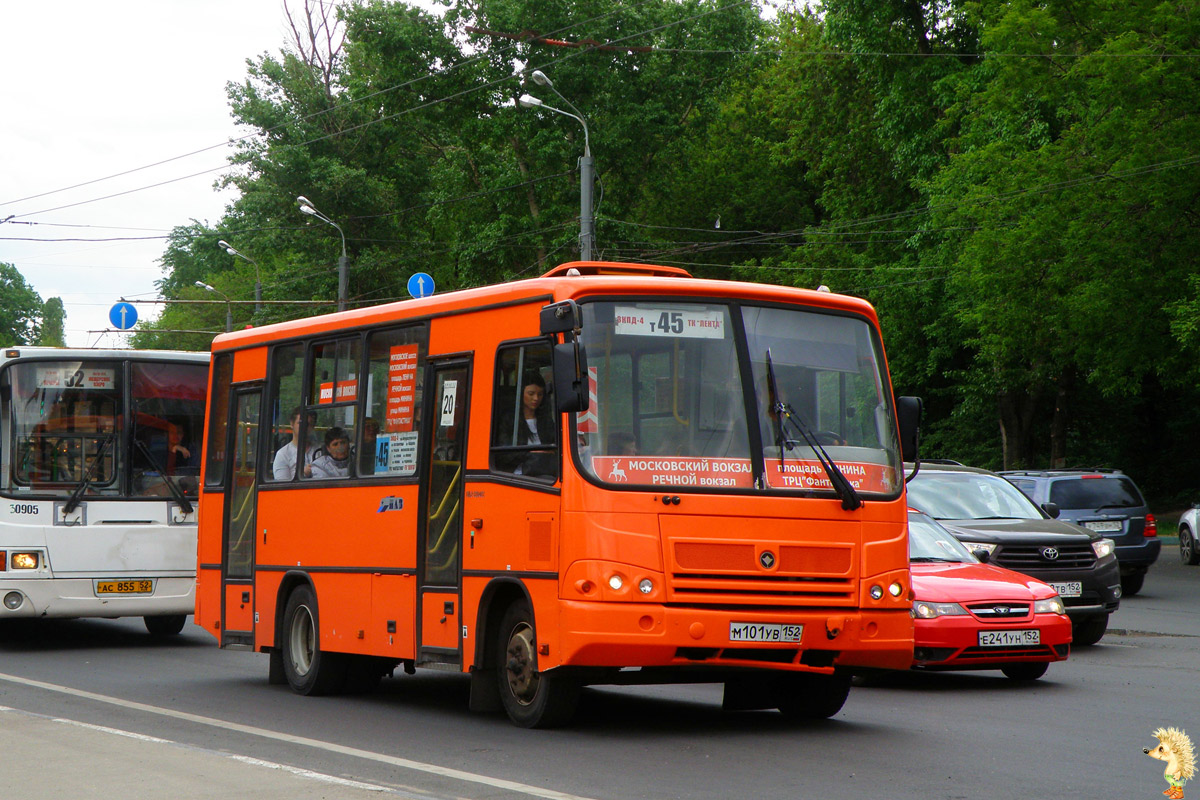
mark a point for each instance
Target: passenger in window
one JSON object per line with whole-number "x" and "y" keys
{"x": 334, "y": 459}
{"x": 535, "y": 427}
{"x": 283, "y": 468}
{"x": 366, "y": 456}
{"x": 622, "y": 443}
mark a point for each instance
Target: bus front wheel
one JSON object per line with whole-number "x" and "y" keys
{"x": 813, "y": 696}
{"x": 165, "y": 625}
{"x": 531, "y": 698}
{"x": 308, "y": 669}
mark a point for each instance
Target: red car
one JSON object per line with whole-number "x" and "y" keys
{"x": 972, "y": 615}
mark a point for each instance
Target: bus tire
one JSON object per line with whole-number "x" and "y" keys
{"x": 531, "y": 698}
{"x": 309, "y": 670}
{"x": 165, "y": 625}
{"x": 809, "y": 697}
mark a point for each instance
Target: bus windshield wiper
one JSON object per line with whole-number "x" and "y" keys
{"x": 169, "y": 480}
{"x": 784, "y": 415}
{"x": 77, "y": 495}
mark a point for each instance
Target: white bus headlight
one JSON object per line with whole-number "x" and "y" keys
{"x": 25, "y": 560}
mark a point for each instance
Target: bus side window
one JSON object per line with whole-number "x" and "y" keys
{"x": 524, "y": 422}
{"x": 286, "y": 384}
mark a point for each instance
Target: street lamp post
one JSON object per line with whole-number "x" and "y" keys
{"x": 306, "y": 207}
{"x": 587, "y": 223}
{"x": 228, "y": 304}
{"x": 257, "y": 278}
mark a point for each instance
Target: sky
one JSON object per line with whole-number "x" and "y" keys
{"x": 91, "y": 90}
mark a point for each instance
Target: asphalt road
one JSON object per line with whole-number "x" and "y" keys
{"x": 98, "y": 709}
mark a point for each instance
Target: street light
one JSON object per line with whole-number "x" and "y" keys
{"x": 587, "y": 223}
{"x": 258, "y": 282}
{"x": 228, "y": 304}
{"x": 306, "y": 207}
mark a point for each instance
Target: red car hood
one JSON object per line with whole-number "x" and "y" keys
{"x": 967, "y": 583}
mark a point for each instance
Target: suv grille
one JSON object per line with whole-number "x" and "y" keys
{"x": 1026, "y": 556}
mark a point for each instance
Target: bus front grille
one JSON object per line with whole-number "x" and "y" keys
{"x": 776, "y": 589}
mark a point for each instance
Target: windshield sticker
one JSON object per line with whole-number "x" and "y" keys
{"x": 809, "y": 474}
{"x": 670, "y": 323}
{"x": 396, "y": 453}
{"x": 674, "y": 471}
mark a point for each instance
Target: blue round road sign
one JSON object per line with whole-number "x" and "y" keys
{"x": 122, "y": 315}
{"x": 420, "y": 284}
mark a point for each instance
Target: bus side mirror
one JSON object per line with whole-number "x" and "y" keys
{"x": 570, "y": 377}
{"x": 908, "y": 417}
{"x": 561, "y": 317}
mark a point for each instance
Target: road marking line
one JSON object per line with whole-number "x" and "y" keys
{"x": 403, "y": 763}
{"x": 308, "y": 773}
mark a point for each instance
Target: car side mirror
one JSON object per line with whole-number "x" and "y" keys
{"x": 1052, "y": 509}
{"x": 983, "y": 555}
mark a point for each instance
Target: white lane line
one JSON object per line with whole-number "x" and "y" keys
{"x": 297, "y": 771}
{"x": 403, "y": 763}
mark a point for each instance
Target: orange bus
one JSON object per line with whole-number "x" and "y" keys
{"x": 611, "y": 474}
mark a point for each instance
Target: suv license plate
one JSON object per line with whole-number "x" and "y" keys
{"x": 1068, "y": 589}
{"x": 764, "y": 632}
{"x": 1104, "y": 527}
{"x": 143, "y": 586}
{"x": 1010, "y": 638}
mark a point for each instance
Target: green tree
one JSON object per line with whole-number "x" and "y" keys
{"x": 20, "y": 308}
{"x": 51, "y": 328}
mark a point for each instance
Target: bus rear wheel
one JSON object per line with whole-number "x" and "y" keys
{"x": 165, "y": 625}
{"x": 308, "y": 669}
{"x": 531, "y": 698}
{"x": 807, "y": 697}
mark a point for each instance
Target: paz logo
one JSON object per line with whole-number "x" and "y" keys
{"x": 390, "y": 504}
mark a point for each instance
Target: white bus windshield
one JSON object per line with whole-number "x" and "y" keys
{"x": 118, "y": 429}
{"x": 682, "y": 397}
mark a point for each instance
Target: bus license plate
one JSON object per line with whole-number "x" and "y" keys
{"x": 764, "y": 632}
{"x": 144, "y": 586}
{"x": 1069, "y": 589}
{"x": 1009, "y": 638}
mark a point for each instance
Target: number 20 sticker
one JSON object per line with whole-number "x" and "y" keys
{"x": 449, "y": 399}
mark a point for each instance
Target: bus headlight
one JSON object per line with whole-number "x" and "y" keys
{"x": 615, "y": 582}
{"x": 645, "y": 586}
{"x": 25, "y": 560}
{"x": 13, "y": 600}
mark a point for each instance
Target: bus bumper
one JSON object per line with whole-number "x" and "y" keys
{"x": 77, "y": 597}
{"x": 636, "y": 635}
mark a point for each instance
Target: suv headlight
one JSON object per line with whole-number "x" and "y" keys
{"x": 1051, "y": 605}
{"x": 1103, "y": 547}
{"x": 924, "y": 610}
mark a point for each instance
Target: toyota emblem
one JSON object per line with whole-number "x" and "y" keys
{"x": 767, "y": 559}
{"x": 1050, "y": 553}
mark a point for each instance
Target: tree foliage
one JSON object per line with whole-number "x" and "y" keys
{"x": 20, "y": 308}
{"x": 1012, "y": 183}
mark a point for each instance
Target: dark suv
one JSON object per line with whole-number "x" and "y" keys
{"x": 1106, "y": 501}
{"x": 988, "y": 513}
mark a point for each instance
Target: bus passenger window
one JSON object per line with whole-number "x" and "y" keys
{"x": 524, "y": 423}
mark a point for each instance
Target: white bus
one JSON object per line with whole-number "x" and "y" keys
{"x": 99, "y": 469}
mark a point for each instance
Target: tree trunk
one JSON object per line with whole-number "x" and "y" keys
{"x": 1017, "y": 411}
{"x": 1058, "y": 425}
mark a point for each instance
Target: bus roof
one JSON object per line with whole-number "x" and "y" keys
{"x": 571, "y": 280}
{"x": 20, "y": 351}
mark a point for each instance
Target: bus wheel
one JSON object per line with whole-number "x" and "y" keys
{"x": 813, "y": 696}
{"x": 167, "y": 625}
{"x": 308, "y": 669}
{"x": 532, "y": 699}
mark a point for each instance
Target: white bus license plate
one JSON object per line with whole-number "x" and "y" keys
{"x": 1069, "y": 589}
{"x": 141, "y": 586}
{"x": 1112, "y": 526}
{"x": 764, "y": 632}
{"x": 1009, "y": 638}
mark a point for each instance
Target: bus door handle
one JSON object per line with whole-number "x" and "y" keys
{"x": 476, "y": 525}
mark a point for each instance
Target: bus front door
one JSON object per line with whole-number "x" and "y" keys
{"x": 441, "y": 514}
{"x": 237, "y": 595}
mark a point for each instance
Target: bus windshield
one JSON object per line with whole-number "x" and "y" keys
{"x": 115, "y": 429}
{"x": 682, "y": 396}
